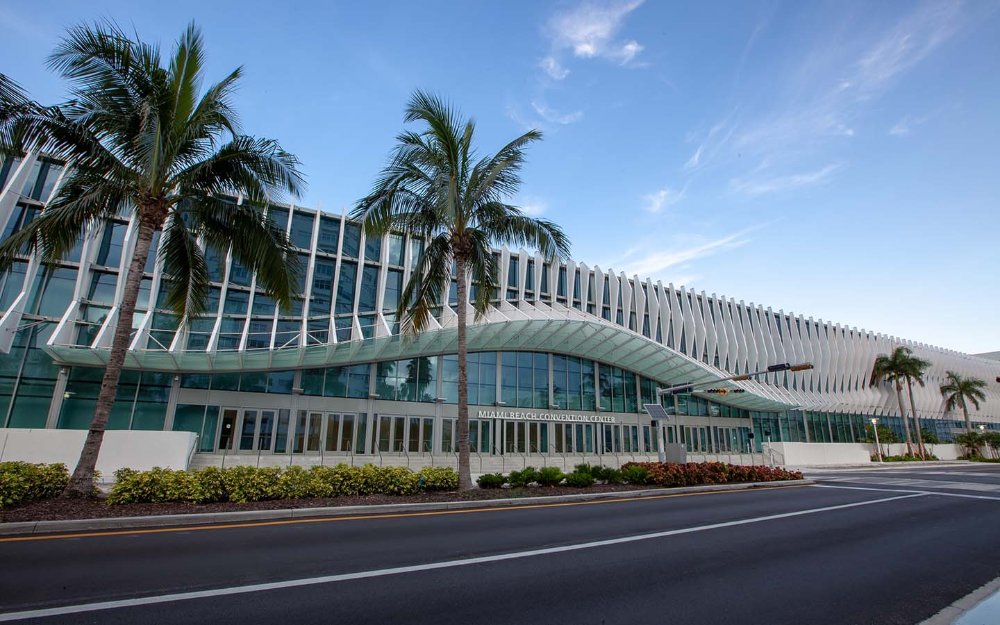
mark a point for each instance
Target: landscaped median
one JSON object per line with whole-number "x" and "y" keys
{"x": 28, "y": 492}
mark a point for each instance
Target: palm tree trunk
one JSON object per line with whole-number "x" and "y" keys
{"x": 906, "y": 423}
{"x": 965, "y": 411}
{"x": 82, "y": 482}
{"x": 464, "y": 471}
{"x": 916, "y": 420}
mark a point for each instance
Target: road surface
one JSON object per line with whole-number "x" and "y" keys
{"x": 880, "y": 547}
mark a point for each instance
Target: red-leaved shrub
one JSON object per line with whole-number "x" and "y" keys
{"x": 698, "y": 473}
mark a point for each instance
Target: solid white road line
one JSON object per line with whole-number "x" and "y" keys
{"x": 328, "y": 579}
{"x": 915, "y": 492}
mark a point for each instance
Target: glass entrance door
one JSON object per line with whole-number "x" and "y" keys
{"x": 339, "y": 433}
{"x": 227, "y": 428}
{"x": 257, "y": 430}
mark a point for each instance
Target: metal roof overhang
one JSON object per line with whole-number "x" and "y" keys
{"x": 594, "y": 340}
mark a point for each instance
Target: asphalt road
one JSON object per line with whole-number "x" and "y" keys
{"x": 878, "y": 547}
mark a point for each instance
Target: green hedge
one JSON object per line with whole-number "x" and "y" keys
{"x": 21, "y": 482}
{"x": 242, "y": 484}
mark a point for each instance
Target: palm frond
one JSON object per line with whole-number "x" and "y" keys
{"x": 426, "y": 288}
{"x": 506, "y": 224}
{"x": 483, "y": 269}
{"x": 185, "y": 269}
{"x": 258, "y": 169}
{"x": 256, "y": 243}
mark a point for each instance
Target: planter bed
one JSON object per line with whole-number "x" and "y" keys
{"x": 58, "y": 509}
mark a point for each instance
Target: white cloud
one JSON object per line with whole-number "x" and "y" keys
{"x": 555, "y": 117}
{"x": 627, "y": 52}
{"x": 695, "y": 158}
{"x": 656, "y": 202}
{"x": 659, "y": 260}
{"x": 827, "y": 93}
{"x": 907, "y": 44}
{"x": 553, "y": 68}
{"x": 533, "y": 207}
{"x": 905, "y": 126}
{"x": 590, "y": 30}
{"x": 756, "y": 185}
{"x": 900, "y": 129}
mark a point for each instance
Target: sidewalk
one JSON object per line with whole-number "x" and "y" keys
{"x": 77, "y": 525}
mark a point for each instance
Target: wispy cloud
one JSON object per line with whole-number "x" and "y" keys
{"x": 655, "y": 202}
{"x": 533, "y": 206}
{"x": 553, "y": 68}
{"x": 905, "y": 126}
{"x": 760, "y": 185}
{"x": 905, "y": 45}
{"x": 591, "y": 30}
{"x": 820, "y": 104}
{"x": 655, "y": 261}
{"x": 555, "y": 117}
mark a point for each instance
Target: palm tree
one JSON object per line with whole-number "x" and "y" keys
{"x": 915, "y": 369}
{"x": 958, "y": 390}
{"x": 144, "y": 139}
{"x": 436, "y": 189}
{"x": 893, "y": 369}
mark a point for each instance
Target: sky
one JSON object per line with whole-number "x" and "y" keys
{"x": 833, "y": 159}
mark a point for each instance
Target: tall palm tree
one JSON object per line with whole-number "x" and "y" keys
{"x": 145, "y": 139}
{"x": 958, "y": 390}
{"x": 893, "y": 369}
{"x": 434, "y": 187}
{"x": 914, "y": 372}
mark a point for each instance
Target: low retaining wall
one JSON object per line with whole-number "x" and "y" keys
{"x": 121, "y": 448}
{"x": 803, "y": 454}
{"x": 816, "y": 454}
{"x": 943, "y": 451}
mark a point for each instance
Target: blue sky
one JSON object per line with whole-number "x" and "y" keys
{"x": 835, "y": 159}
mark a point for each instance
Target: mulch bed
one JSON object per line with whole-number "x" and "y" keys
{"x": 61, "y": 509}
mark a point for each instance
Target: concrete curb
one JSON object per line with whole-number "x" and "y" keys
{"x": 26, "y": 528}
{"x": 970, "y": 601}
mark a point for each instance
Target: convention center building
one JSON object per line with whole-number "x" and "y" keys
{"x": 561, "y": 365}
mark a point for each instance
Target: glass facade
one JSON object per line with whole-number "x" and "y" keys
{"x": 349, "y": 292}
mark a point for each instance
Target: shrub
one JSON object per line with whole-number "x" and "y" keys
{"x": 550, "y": 476}
{"x": 905, "y": 458}
{"x": 21, "y": 482}
{"x": 635, "y": 474}
{"x": 613, "y": 476}
{"x": 209, "y": 486}
{"x": 245, "y": 483}
{"x": 579, "y": 480}
{"x": 694, "y": 474}
{"x": 298, "y": 483}
{"x": 585, "y": 468}
{"x": 154, "y": 486}
{"x": 339, "y": 481}
{"x": 373, "y": 480}
{"x": 520, "y": 479}
{"x": 492, "y": 480}
{"x": 438, "y": 478}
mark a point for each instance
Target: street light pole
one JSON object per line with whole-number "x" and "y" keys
{"x": 878, "y": 447}
{"x": 681, "y": 388}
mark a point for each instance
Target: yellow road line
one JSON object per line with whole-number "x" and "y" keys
{"x": 362, "y": 517}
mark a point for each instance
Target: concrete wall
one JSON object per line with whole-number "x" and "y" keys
{"x": 803, "y": 454}
{"x": 944, "y": 451}
{"x": 806, "y": 454}
{"x": 121, "y": 448}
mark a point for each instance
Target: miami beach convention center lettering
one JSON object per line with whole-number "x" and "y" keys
{"x": 545, "y": 416}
